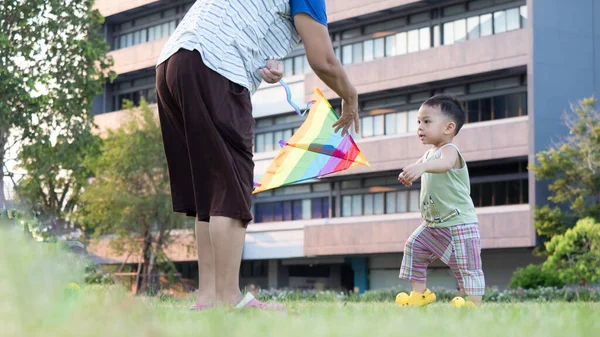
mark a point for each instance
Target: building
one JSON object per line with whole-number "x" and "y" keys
{"x": 518, "y": 64}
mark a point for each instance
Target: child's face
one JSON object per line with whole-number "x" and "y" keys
{"x": 433, "y": 125}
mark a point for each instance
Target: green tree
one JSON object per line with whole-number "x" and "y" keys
{"x": 574, "y": 255}
{"x": 53, "y": 62}
{"x": 130, "y": 197}
{"x": 572, "y": 167}
{"x": 56, "y": 177}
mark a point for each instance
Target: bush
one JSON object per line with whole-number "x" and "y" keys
{"x": 534, "y": 276}
{"x": 492, "y": 295}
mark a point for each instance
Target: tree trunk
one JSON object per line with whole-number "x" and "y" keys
{"x": 154, "y": 276}
{"x": 3, "y": 139}
{"x": 146, "y": 254}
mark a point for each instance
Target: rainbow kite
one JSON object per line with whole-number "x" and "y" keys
{"x": 315, "y": 150}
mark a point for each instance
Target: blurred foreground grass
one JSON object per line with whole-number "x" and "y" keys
{"x": 33, "y": 302}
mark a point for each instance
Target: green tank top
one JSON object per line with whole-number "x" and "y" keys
{"x": 446, "y": 197}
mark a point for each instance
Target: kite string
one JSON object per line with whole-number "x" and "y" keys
{"x": 288, "y": 92}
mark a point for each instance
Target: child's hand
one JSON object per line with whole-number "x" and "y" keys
{"x": 413, "y": 172}
{"x": 403, "y": 180}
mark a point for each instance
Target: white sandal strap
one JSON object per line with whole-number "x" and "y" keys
{"x": 249, "y": 297}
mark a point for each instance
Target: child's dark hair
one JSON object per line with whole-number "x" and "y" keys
{"x": 451, "y": 107}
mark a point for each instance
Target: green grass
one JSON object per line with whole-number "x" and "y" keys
{"x": 33, "y": 303}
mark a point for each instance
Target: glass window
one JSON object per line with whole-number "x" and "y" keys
{"x": 368, "y": 48}
{"x": 473, "y": 28}
{"x": 485, "y": 106}
{"x": 137, "y": 36}
{"x": 298, "y": 65}
{"x": 515, "y": 190}
{"x": 390, "y": 124}
{"x": 476, "y": 194}
{"x": 500, "y": 193}
{"x": 436, "y": 36}
{"x": 523, "y": 15}
{"x": 378, "y": 205}
{"x": 337, "y": 51}
{"x": 379, "y": 48}
{"x": 499, "y": 107}
{"x": 123, "y": 42}
{"x": 307, "y": 68}
{"x": 278, "y": 211}
{"x": 288, "y": 67}
{"x": 129, "y": 39}
{"x": 347, "y": 205}
{"x": 455, "y": 9}
{"x": 368, "y": 204}
{"x": 378, "y": 125}
{"x": 165, "y": 29}
{"x": 473, "y": 111}
{"x": 413, "y": 203}
{"x": 151, "y": 33}
{"x": 499, "y": 22}
{"x": 513, "y": 106}
{"x": 413, "y": 41}
{"x": 367, "y": 126}
{"x": 413, "y": 121}
{"x": 287, "y": 134}
{"x": 277, "y": 136}
{"x": 401, "y": 122}
{"x": 401, "y": 202}
{"x": 269, "y": 141}
{"x": 512, "y": 19}
{"x": 347, "y": 54}
{"x": 357, "y": 53}
{"x": 425, "y": 38}
{"x": 172, "y": 26}
{"x": 486, "y": 194}
{"x": 143, "y": 36}
{"x": 401, "y": 43}
{"x": 460, "y": 30}
{"x": 448, "y": 33}
{"x": 390, "y": 45}
{"x": 390, "y": 202}
{"x": 485, "y": 25}
{"x": 357, "y": 205}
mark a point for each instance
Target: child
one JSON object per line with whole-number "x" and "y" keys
{"x": 449, "y": 231}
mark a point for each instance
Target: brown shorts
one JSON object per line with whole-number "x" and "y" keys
{"x": 207, "y": 128}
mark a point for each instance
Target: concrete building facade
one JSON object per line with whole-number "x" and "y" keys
{"x": 517, "y": 65}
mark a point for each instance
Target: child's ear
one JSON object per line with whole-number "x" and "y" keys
{"x": 450, "y": 127}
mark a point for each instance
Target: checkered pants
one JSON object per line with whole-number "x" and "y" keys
{"x": 457, "y": 246}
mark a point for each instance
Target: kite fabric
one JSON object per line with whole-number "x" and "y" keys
{"x": 315, "y": 150}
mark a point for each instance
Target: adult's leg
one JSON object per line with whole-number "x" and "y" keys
{"x": 227, "y": 237}
{"x": 180, "y": 175}
{"x": 207, "y": 291}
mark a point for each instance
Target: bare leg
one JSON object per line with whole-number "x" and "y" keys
{"x": 227, "y": 236}
{"x": 206, "y": 265}
{"x": 419, "y": 287}
{"x": 475, "y": 299}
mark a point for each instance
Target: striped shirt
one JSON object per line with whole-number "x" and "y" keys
{"x": 236, "y": 37}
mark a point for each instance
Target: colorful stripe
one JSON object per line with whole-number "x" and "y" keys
{"x": 313, "y": 151}
{"x": 457, "y": 246}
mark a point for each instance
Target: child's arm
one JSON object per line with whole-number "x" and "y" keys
{"x": 445, "y": 163}
{"x": 401, "y": 177}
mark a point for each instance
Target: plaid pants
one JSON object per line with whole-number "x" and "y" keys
{"x": 457, "y": 246}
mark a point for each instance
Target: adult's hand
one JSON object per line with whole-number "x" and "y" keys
{"x": 328, "y": 68}
{"x": 349, "y": 115}
{"x": 272, "y": 72}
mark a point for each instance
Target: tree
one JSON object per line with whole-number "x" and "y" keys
{"x": 56, "y": 177}
{"x": 575, "y": 254}
{"x": 53, "y": 62}
{"x": 573, "y": 169}
{"x": 130, "y": 197}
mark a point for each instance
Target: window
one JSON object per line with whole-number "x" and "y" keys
{"x": 368, "y": 48}
{"x": 390, "y": 45}
{"x": 499, "y": 22}
{"x": 424, "y": 38}
{"x": 460, "y": 30}
{"x": 513, "y": 19}
{"x": 485, "y": 25}
{"x": 473, "y": 28}
{"x": 379, "y": 48}
{"x": 448, "y": 33}
{"x": 401, "y": 43}
{"x": 413, "y": 41}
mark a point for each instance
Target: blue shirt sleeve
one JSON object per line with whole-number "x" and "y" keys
{"x": 314, "y": 8}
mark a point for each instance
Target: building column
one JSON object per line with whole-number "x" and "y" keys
{"x": 273, "y": 274}
{"x": 361, "y": 276}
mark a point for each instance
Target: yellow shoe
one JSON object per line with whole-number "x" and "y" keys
{"x": 415, "y": 299}
{"x": 459, "y": 302}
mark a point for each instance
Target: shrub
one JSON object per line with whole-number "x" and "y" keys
{"x": 534, "y": 276}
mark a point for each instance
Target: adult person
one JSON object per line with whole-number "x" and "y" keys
{"x": 205, "y": 76}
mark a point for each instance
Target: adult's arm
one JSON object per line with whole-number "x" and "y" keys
{"x": 328, "y": 68}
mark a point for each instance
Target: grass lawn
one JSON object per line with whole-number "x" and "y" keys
{"x": 33, "y": 303}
